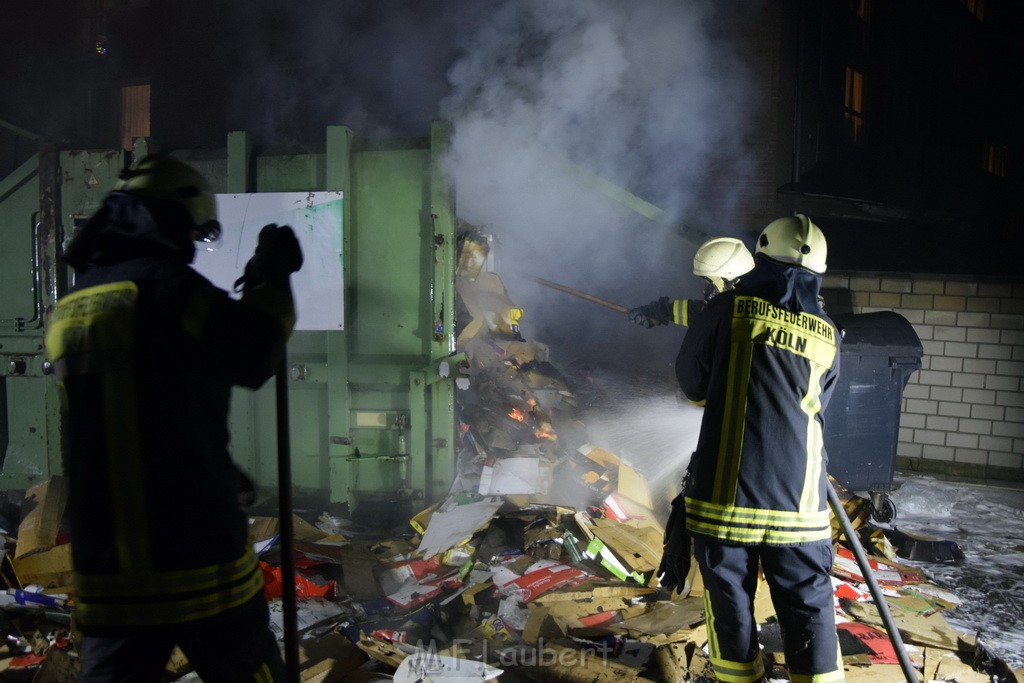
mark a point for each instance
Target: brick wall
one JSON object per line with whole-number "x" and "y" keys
{"x": 963, "y": 411}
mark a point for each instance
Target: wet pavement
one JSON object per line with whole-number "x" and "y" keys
{"x": 987, "y": 522}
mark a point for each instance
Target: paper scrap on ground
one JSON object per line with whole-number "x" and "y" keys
{"x": 667, "y": 617}
{"x": 430, "y": 666}
{"x": 510, "y": 477}
{"x": 453, "y": 526}
{"x": 308, "y": 613}
{"x": 540, "y": 578}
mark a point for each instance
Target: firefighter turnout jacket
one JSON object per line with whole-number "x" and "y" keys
{"x": 684, "y": 310}
{"x": 147, "y": 351}
{"x": 763, "y": 360}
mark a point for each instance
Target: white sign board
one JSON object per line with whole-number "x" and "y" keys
{"x": 316, "y": 218}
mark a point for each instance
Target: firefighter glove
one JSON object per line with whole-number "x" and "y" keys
{"x": 675, "y": 558}
{"x": 655, "y": 313}
{"x": 277, "y": 256}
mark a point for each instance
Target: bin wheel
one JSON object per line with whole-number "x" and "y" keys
{"x": 883, "y": 510}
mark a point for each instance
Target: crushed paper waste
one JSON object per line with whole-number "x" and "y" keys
{"x": 539, "y": 564}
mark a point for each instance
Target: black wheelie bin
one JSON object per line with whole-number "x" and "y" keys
{"x": 878, "y": 354}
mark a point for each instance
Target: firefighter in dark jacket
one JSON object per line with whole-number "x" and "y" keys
{"x": 763, "y": 359}
{"x": 147, "y": 351}
{"x": 720, "y": 263}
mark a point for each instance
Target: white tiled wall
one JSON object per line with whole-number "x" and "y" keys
{"x": 966, "y": 404}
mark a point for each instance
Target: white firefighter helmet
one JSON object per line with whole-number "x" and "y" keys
{"x": 162, "y": 177}
{"x": 722, "y": 261}
{"x": 794, "y": 239}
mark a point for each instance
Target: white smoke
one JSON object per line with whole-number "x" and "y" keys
{"x": 654, "y": 434}
{"x": 549, "y": 95}
{"x": 548, "y": 99}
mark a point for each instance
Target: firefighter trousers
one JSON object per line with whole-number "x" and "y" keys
{"x": 801, "y": 592}
{"x": 236, "y": 645}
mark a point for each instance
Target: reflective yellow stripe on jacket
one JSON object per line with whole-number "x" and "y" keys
{"x": 94, "y": 324}
{"x": 92, "y": 332}
{"x": 681, "y": 312}
{"x": 755, "y": 323}
{"x": 169, "y": 597}
{"x": 754, "y": 526}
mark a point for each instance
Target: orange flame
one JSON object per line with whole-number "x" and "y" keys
{"x": 517, "y": 414}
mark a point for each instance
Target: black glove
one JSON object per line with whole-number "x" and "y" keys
{"x": 655, "y": 313}
{"x": 277, "y": 256}
{"x": 675, "y": 558}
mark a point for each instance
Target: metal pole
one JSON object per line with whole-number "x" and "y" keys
{"x": 876, "y": 593}
{"x": 284, "y": 486}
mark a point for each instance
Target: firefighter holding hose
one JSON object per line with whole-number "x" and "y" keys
{"x": 763, "y": 360}
{"x": 147, "y": 352}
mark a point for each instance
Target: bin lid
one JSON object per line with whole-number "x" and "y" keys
{"x": 881, "y": 333}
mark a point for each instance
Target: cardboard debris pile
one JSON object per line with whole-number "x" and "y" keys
{"x": 489, "y": 587}
{"x": 538, "y": 565}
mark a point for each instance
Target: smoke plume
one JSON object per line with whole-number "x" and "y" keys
{"x": 568, "y": 118}
{"x": 550, "y": 99}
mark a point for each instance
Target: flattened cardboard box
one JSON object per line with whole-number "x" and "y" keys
{"x": 57, "y": 667}
{"x": 932, "y": 630}
{"x": 330, "y": 658}
{"x": 633, "y": 485}
{"x": 639, "y": 547}
{"x": 51, "y": 568}
{"x": 42, "y": 511}
{"x": 263, "y": 528}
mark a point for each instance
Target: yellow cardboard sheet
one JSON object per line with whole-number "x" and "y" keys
{"x": 42, "y": 511}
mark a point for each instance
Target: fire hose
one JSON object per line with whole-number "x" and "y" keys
{"x": 287, "y": 534}
{"x": 869, "y": 577}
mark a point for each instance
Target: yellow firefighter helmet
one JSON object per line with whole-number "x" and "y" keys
{"x": 794, "y": 239}
{"x": 162, "y": 177}
{"x": 722, "y": 261}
